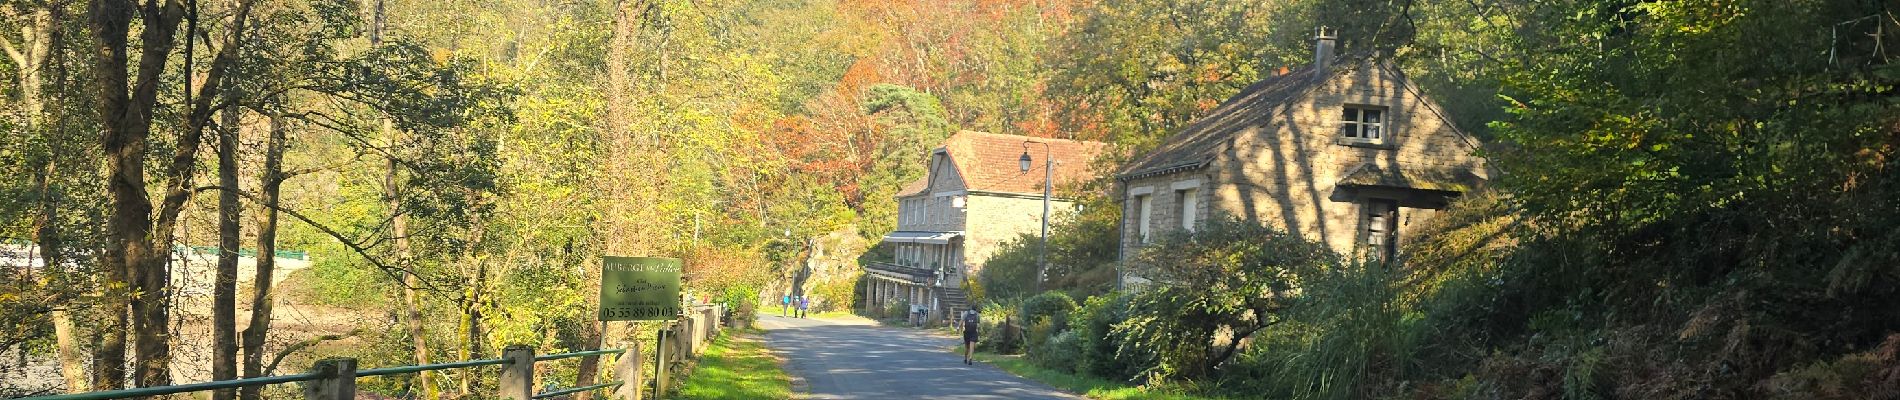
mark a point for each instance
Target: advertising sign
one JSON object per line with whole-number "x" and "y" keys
{"x": 639, "y": 288}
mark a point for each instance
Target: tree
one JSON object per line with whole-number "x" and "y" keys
{"x": 1210, "y": 289}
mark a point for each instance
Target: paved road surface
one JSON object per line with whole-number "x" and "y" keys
{"x": 852, "y": 358}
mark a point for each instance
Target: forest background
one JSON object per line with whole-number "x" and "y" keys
{"x": 453, "y": 170}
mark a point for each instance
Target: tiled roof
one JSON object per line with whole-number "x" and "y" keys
{"x": 990, "y": 162}
{"x": 1197, "y": 144}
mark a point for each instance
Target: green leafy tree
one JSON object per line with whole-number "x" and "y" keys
{"x": 1210, "y": 290}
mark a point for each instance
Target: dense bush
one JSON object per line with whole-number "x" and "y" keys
{"x": 896, "y": 309}
{"x": 1052, "y": 306}
{"x": 835, "y": 295}
{"x": 1213, "y": 288}
{"x": 1100, "y": 349}
{"x": 1036, "y": 337}
{"x": 1061, "y": 352}
{"x": 1000, "y": 330}
{"x": 1083, "y": 252}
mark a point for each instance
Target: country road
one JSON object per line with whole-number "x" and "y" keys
{"x": 853, "y": 358}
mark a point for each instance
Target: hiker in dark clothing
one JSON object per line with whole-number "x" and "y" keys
{"x": 970, "y": 322}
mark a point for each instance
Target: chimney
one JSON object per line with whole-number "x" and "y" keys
{"x": 1323, "y": 47}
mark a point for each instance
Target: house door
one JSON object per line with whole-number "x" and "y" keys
{"x": 1382, "y": 228}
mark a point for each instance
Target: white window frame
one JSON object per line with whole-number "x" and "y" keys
{"x": 1190, "y": 203}
{"x": 1365, "y": 123}
{"x": 1144, "y": 208}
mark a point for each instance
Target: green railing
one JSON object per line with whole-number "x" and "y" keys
{"x": 335, "y": 379}
{"x": 175, "y": 389}
{"x": 568, "y": 391}
{"x": 331, "y": 373}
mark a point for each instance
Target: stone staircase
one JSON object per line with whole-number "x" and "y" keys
{"x": 955, "y": 301}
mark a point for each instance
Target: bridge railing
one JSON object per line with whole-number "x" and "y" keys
{"x": 335, "y": 378}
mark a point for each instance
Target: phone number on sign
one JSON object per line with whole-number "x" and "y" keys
{"x": 640, "y": 312}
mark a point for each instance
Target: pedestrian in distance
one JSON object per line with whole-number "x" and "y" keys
{"x": 804, "y": 307}
{"x": 784, "y": 305}
{"x": 970, "y": 322}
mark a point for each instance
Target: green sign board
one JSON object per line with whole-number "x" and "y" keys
{"x": 639, "y": 288}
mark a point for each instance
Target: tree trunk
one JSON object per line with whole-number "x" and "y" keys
{"x": 72, "y": 364}
{"x": 399, "y": 228}
{"x": 224, "y": 348}
{"x": 621, "y": 162}
{"x": 39, "y": 28}
{"x": 472, "y": 301}
{"x": 591, "y": 338}
{"x": 136, "y": 247}
{"x": 269, "y": 184}
{"x": 126, "y": 116}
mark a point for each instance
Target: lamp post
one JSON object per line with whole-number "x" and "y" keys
{"x": 1048, "y": 175}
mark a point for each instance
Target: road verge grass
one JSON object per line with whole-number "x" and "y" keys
{"x": 1092, "y": 387}
{"x": 737, "y": 366}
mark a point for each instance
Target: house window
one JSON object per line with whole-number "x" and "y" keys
{"x": 1189, "y": 202}
{"x": 1363, "y": 124}
{"x": 1143, "y": 208}
{"x": 1382, "y": 228}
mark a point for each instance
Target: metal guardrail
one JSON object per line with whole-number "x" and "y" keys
{"x": 552, "y": 357}
{"x": 272, "y": 380}
{"x": 568, "y": 391}
{"x": 429, "y": 367}
{"x": 175, "y": 389}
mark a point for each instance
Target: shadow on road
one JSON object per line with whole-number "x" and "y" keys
{"x": 852, "y": 358}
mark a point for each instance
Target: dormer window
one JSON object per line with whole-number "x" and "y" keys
{"x": 1363, "y": 124}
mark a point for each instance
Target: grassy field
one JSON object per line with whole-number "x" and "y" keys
{"x": 1094, "y": 388}
{"x": 737, "y": 366}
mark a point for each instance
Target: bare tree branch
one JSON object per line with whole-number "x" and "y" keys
{"x": 394, "y": 272}
{"x": 293, "y": 348}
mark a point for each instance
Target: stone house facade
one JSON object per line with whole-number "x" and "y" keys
{"x": 1346, "y": 152}
{"x": 973, "y": 198}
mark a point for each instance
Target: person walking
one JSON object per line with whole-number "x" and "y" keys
{"x": 784, "y": 305}
{"x": 804, "y": 307}
{"x": 970, "y": 322}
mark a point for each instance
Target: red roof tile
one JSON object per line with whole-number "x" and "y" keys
{"x": 991, "y": 162}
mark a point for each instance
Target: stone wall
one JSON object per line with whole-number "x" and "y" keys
{"x": 1000, "y": 218}
{"x": 939, "y": 201}
{"x": 1165, "y": 203}
{"x": 1284, "y": 173}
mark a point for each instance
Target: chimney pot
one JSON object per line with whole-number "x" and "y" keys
{"x": 1323, "y": 47}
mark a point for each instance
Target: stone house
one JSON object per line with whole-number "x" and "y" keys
{"x": 974, "y": 197}
{"x": 1344, "y": 151}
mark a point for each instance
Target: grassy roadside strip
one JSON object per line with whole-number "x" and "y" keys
{"x": 737, "y": 366}
{"x": 1092, "y": 387}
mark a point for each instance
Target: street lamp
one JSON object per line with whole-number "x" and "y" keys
{"x": 1048, "y": 180}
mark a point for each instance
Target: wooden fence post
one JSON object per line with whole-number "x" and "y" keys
{"x": 627, "y": 367}
{"x": 683, "y": 338}
{"x": 699, "y": 331}
{"x": 517, "y": 376}
{"x": 338, "y": 383}
{"x": 661, "y": 353}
